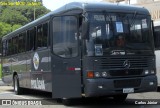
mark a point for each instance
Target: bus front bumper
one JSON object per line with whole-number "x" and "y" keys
{"x": 106, "y": 87}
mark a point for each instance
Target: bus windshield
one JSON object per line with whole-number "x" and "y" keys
{"x": 122, "y": 32}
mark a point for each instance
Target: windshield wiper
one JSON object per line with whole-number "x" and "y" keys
{"x": 133, "y": 19}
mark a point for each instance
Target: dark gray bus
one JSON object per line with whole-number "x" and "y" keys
{"x": 83, "y": 50}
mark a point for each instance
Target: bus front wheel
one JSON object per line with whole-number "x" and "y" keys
{"x": 120, "y": 97}
{"x": 17, "y": 89}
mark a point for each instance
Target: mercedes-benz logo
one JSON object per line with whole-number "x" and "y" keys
{"x": 126, "y": 64}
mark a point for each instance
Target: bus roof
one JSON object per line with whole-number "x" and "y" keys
{"x": 84, "y": 6}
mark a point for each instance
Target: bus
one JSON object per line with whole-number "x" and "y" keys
{"x": 83, "y": 50}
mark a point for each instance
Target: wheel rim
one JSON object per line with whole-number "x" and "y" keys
{"x": 15, "y": 84}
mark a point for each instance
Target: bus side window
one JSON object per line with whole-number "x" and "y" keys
{"x": 45, "y": 35}
{"x": 31, "y": 39}
{"x": 65, "y": 39}
{"x": 39, "y": 36}
{"x": 28, "y": 41}
{"x": 10, "y": 47}
{"x": 42, "y": 35}
{"x": 21, "y": 42}
{"x": 15, "y": 45}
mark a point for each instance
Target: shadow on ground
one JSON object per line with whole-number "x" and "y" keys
{"x": 104, "y": 102}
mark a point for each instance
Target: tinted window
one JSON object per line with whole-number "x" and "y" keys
{"x": 39, "y": 36}
{"x": 65, "y": 43}
{"x": 42, "y": 35}
{"x": 30, "y": 39}
{"x": 21, "y": 43}
{"x": 10, "y": 47}
{"x": 45, "y": 34}
{"x": 15, "y": 45}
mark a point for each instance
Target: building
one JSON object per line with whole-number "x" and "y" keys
{"x": 152, "y": 5}
{"x": 154, "y": 9}
{"x": 119, "y": 1}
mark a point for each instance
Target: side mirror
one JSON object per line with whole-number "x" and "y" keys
{"x": 85, "y": 30}
{"x": 156, "y": 35}
{"x": 157, "y": 39}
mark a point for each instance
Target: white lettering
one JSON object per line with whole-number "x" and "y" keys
{"x": 152, "y": 102}
{"x": 34, "y": 103}
{"x": 141, "y": 102}
{"x": 99, "y": 17}
{"x": 38, "y": 84}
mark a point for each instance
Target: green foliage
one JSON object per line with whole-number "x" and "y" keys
{"x": 0, "y": 71}
{"x": 13, "y": 17}
{"x": 16, "y": 26}
{"x": 28, "y": 11}
{"x": 7, "y": 28}
{"x": 4, "y": 28}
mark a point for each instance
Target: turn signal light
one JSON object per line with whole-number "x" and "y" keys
{"x": 90, "y": 74}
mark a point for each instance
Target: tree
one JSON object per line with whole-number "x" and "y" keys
{"x": 28, "y": 11}
{"x": 7, "y": 28}
{"x": 13, "y": 17}
{"x": 25, "y": 11}
{"x": 4, "y": 28}
{"x": 16, "y": 26}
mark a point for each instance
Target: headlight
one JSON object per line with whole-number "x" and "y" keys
{"x": 151, "y": 83}
{"x": 97, "y": 74}
{"x": 104, "y": 74}
{"x": 146, "y": 72}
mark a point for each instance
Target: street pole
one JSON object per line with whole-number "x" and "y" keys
{"x": 34, "y": 13}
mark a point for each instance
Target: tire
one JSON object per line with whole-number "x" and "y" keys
{"x": 120, "y": 97}
{"x": 71, "y": 101}
{"x": 68, "y": 102}
{"x": 17, "y": 89}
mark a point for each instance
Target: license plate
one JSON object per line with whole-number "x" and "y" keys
{"x": 128, "y": 90}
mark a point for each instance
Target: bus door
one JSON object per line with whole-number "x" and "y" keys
{"x": 66, "y": 58}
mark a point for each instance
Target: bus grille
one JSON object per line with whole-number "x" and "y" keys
{"x": 127, "y": 83}
{"x": 118, "y": 62}
{"x": 131, "y": 72}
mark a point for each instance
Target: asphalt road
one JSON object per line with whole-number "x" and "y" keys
{"x": 136, "y": 100}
